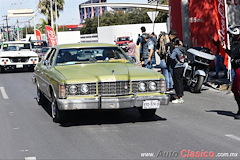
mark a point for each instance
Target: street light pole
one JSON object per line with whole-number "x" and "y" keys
{"x": 56, "y": 19}
{"x": 51, "y": 6}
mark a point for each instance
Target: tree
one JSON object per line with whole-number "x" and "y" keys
{"x": 44, "y": 7}
{"x": 41, "y": 26}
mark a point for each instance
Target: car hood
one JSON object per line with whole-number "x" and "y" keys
{"x": 18, "y": 54}
{"x": 105, "y": 72}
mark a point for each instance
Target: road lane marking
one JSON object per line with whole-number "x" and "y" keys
{"x": 4, "y": 94}
{"x": 233, "y": 137}
{"x": 30, "y": 158}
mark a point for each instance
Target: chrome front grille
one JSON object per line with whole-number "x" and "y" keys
{"x": 117, "y": 88}
{"x": 19, "y": 59}
{"x": 114, "y": 88}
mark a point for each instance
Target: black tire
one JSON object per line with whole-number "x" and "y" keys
{"x": 147, "y": 113}
{"x": 1, "y": 69}
{"x": 197, "y": 86}
{"x": 41, "y": 99}
{"x": 31, "y": 69}
{"x": 57, "y": 115}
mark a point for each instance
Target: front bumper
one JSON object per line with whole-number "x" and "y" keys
{"x": 18, "y": 66}
{"x": 108, "y": 102}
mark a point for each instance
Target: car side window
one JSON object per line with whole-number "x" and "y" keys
{"x": 50, "y": 55}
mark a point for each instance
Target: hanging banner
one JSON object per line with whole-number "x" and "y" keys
{"x": 52, "y": 40}
{"x": 221, "y": 26}
{"x": 38, "y": 34}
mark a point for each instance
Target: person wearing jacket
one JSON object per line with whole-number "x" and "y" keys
{"x": 148, "y": 51}
{"x": 177, "y": 63}
{"x": 234, "y": 53}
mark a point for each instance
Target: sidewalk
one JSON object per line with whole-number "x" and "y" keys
{"x": 221, "y": 84}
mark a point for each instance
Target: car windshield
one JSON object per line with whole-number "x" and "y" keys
{"x": 45, "y": 49}
{"x": 83, "y": 55}
{"x": 15, "y": 46}
{"x": 123, "y": 39}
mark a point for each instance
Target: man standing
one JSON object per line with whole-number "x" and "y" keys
{"x": 219, "y": 59}
{"x": 234, "y": 53}
{"x": 148, "y": 50}
{"x": 173, "y": 37}
{"x": 170, "y": 47}
{"x": 131, "y": 48}
{"x": 141, "y": 42}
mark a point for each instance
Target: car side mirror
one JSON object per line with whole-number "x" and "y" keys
{"x": 46, "y": 63}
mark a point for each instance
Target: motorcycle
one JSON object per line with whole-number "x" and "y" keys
{"x": 197, "y": 67}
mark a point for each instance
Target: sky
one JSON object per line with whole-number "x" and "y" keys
{"x": 70, "y": 14}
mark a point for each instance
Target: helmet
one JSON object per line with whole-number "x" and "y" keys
{"x": 234, "y": 30}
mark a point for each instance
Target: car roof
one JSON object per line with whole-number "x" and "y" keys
{"x": 83, "y": 45}
{"x": 15, "y": 42}
{"x": 38, "y": 41}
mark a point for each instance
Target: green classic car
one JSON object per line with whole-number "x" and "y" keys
{"x": 96, "y": 76}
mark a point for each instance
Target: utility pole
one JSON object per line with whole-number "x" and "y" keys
{"x": 18, "y": 34}
{"x": 2, "y": 35}
{"x": 51, "y": 7}
{"x": 6, "y": 18}
{"x": 56, "y": 10}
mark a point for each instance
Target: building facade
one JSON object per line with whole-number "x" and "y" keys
{"x": 91, "y": 12}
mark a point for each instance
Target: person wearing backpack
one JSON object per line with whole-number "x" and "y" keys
{"x": 177, "y": 64}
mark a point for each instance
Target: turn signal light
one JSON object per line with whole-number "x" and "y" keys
{"x": 62, "y": 91}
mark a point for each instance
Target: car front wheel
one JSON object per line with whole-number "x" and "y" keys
{"x": 57, "y": 115}
{"x": 41, "y": 99}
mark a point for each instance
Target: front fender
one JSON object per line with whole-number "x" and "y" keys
{"x": 200, "y": 72}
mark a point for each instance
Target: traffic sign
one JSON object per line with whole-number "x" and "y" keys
{"x": 17, "y": 29}
{"x": 153, "y": 15}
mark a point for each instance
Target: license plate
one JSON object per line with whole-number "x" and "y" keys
{"x": 19, "y": 66}
{"x": 151, "y": 104}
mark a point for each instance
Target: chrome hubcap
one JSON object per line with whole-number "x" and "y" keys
{"x": 38, "y": 95}
{"x": 53, "y": 109}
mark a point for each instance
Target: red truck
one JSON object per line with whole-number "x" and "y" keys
{"x": 122, "y": 41}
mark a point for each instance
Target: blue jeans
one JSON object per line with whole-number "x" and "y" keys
{"x": 219, "y": 59}
{"x": 232, "y": 75}
{"x": 167, "y": 74}
{"x": 149, "y": 64}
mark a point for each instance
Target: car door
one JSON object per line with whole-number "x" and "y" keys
{"x": 44, "y": 72}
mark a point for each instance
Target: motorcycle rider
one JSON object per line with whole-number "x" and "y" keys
{"x": 234, "y": 53}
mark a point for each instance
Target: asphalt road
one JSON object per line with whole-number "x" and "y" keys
{"x": 202, "y": 126}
